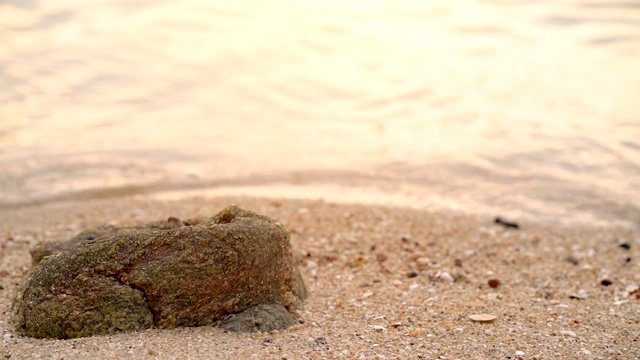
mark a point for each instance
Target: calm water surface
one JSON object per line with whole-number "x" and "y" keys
{"x": 529, "y": 109}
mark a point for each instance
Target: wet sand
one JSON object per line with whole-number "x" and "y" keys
{"x": 385, "y": 282}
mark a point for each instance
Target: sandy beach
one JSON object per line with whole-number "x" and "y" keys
{"x": 385, "y": 283}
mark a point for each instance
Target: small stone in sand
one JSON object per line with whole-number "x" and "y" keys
{"x": 606, "y": 282}
{"x": 573, "y": 260}
{"x": 445, "y": 277}
{"x": 506, "y": 223}
{"x": 625, "y": 246}
{"x": 580, "y": 295}
{"x": 494, "y": 283}
{"x": 423, "y": 261}
{"x": 568, "y": 333}
{"x": 483, "y": 317}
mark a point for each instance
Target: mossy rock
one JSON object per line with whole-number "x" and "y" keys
{"x": 224, "y": 270}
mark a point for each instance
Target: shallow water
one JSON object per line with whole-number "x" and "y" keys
{"x": 529, "y": 109}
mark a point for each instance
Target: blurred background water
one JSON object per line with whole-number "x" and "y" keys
{"x": 524, "y": 108}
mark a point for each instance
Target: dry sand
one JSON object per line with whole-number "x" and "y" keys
{"x": 378, "y": 286}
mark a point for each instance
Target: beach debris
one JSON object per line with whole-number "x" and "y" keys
{"x": 606, "y": 282}
{"x": 234, "y": 270}
{"x": 568, "y": 333}
{"x": 412, "y": 274}
{"x": 494, "y": 283}
{"x": 519, "y": 353}
{"x": 483, "y": 317}
{"x": 506, "y": 223}
{"x": 625, "y": 246}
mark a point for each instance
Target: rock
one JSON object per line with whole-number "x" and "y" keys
{"x": 234, "y": 269}
{"x": 260, "y": 318}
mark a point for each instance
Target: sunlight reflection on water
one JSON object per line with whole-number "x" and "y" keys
{"x": 531, "y": 110}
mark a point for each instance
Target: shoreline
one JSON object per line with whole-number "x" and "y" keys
{"x": 367, "y": 194}
{"x": 376, "y": 276}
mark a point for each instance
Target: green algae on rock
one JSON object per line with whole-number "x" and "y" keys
{"x": 234, "y": 269}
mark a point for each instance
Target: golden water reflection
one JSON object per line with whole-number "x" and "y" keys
{"x": 529, "y": 107}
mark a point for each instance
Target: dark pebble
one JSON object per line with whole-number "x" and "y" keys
{"x": 573, "y": 260}
{"x": 625, "y": 246}
{"x": 412, "y": 274}
{"x": 321, "y": 341}
{"x": 494, "y": 283}
{"x": 506, "y": 223}
{"x": 606, "y": 282}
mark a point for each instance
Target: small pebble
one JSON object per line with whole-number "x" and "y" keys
{"x": 378, "y": 327}
{"x": 574, "y": 260}
{"x": 568, "y": 333}
{"x": 483, "y": 317}
{"x": 506, "y": 223}
{"x": 412, "y": 274}
{"x": 625, "y": 246}
{"x": 423, "y": 261}
{"x": 494, "y": 283}
{"x": 445, "y": 277}
{"x": 381, "y": 257}
{"x": 606, "y": 282}
{"x": 580, "y": 295}
{"x": 519, "y": 353}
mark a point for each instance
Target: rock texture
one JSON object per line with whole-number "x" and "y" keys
{"x": 234, "y": 270}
